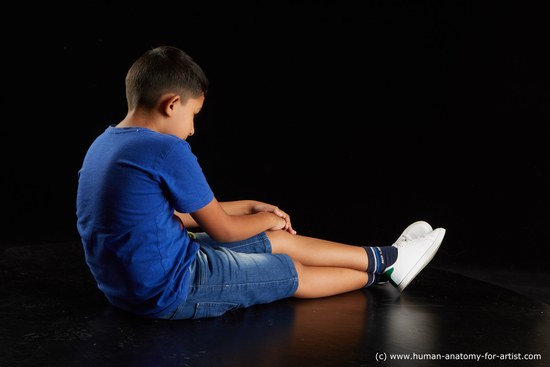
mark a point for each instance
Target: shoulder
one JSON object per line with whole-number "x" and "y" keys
{"x": 162, "y": 141}
{"x": 148, "y": 141}
{"x": 177, "y": 151}
{"x": 161, "y": 150}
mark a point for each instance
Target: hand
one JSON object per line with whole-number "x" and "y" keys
{"x": 268, "y": 208}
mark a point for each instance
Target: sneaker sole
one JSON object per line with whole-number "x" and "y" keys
{"x": 421, "y": 264}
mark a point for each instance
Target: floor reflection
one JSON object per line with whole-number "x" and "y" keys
{"x": 56, "y": 316}
{"x": 437, "y": 316}
{"x": 323, "y": 331}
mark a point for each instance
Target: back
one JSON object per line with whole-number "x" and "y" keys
{"x": 131, "y": 181}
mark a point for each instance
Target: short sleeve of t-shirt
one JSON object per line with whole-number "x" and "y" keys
{"x": 176, "y": 169}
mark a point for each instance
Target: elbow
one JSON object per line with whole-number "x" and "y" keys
{"x": 223, "y": 236}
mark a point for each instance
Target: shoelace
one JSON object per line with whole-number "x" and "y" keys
{"x": 403, "y": 240}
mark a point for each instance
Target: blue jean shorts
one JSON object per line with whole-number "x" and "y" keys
{"x": 227, "y": 276}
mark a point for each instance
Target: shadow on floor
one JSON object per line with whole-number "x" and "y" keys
{"x": 52, "y": 314}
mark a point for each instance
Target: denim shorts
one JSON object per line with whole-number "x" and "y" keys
{"x": 227, "y": 276}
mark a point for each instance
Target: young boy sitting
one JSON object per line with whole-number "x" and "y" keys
{"x": 141, "y": 187}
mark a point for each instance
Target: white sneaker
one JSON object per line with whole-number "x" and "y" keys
{"x": 415, "y": 230}
{"x": 412, "y": 257}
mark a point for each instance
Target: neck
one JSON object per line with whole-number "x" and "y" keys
{"x": 138, "y": 118}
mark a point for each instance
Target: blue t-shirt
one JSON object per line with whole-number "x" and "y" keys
{"x": 131, "y": 181}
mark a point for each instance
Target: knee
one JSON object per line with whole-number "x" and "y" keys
{"x": 305, "y": 284}
{"x": 300, "y": 268}
{"x": 279, "y": 240}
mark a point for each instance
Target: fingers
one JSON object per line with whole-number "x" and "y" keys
{"x": 281, "y": 214}
{"x": 291, "y": 230}
{"x": 278, "y": 212}
{"x": 288, "y": 224}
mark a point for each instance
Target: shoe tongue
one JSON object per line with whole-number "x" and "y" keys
{"x": 402, "y": 240}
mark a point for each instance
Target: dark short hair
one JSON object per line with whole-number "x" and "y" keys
{"x": 163, "y": 70}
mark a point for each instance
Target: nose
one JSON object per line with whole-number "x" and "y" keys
{"x": 192, "y": 132}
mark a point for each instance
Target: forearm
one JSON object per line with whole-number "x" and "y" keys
{"x": 222, "y": 227}
{"x": 240, "y": 207}
{"x": 242, "y": 227}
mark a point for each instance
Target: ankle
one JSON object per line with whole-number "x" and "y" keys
{"x": 380, "y": 258}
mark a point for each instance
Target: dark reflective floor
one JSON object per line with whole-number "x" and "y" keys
{"x": 52, "y": 314}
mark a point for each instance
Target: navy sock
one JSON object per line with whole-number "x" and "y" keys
{"x": 373, "y": 279}
{"x": 380, "y": 258}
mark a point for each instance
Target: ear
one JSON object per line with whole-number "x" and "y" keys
{"x": 170, "y": 104}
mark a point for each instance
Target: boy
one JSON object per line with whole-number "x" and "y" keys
{"x": 140, "y": 188}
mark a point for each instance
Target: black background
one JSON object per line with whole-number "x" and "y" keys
{"x": 357, "y": 118}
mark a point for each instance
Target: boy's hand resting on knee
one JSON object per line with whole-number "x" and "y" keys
{"x": 239, "y": 220}
{"x": 268, "y": 208}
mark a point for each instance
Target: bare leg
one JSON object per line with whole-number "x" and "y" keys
{"x": 324, "y": 268}
{"x": 315, "y": 252}
{"x": 320, "y": 281}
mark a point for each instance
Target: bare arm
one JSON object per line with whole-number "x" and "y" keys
{"x": 222, "y": 227}
{"x": 187, "y": 220}
{"x": 241, "y": 207}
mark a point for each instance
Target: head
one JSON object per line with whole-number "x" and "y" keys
{"x": 166, "y": 80}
